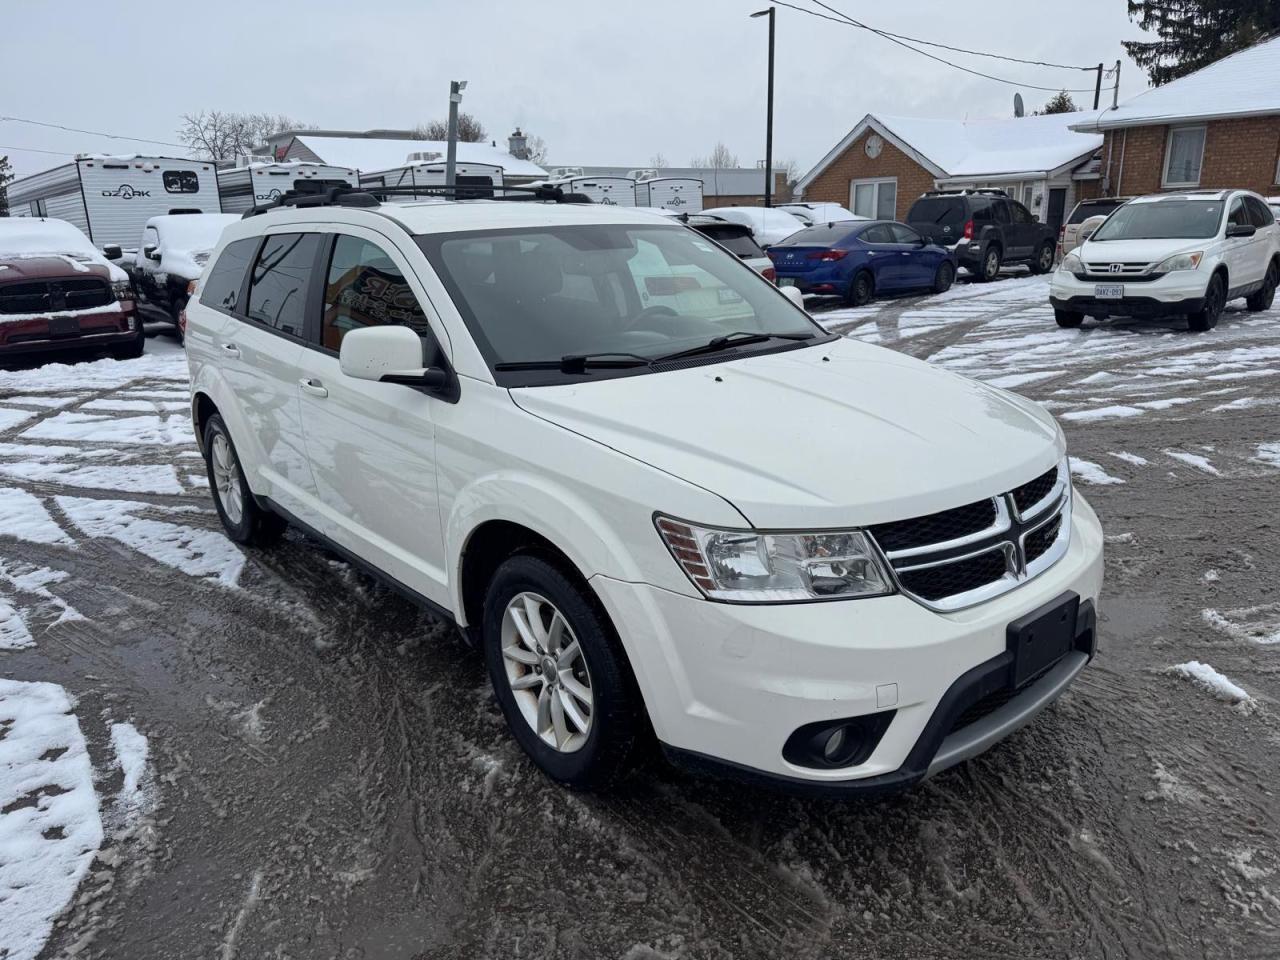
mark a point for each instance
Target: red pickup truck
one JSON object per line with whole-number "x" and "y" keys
{"x": 59, "y": 293}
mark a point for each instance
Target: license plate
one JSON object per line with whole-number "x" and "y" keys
{"x": 1109, "y": 291}
{"x": 1042, "y": 638}
{"x": 786, "y": 281}
{"x": 64, "y": 326}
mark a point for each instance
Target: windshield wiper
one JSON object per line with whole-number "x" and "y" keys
{"x": 579, "y": 362}
{"x": 739, "y": 338}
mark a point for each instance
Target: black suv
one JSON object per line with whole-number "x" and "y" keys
{"x": 985, "y": 229}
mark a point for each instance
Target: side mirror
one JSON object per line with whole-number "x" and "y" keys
{"x": 794, "y": 295}
{"x": 151, "y": 252}
{"x": 389, "y": 354}
{"x": 922, "y": 241}
{"x": 112, "y": 251}
{"x": 1241, "y": 230}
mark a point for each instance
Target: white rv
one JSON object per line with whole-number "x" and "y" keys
{"x": 616, "y": 191}
{"x": 110, "y": 198}
{"x": 563, "y": 173}
{"x": 256, "y": 184}
{"x": 682, "y": 194}
{"x": 482, "y": 178}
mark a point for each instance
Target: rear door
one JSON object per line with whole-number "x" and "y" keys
{"x": 1246, "y": 256}
{"x": 371, "y": 446}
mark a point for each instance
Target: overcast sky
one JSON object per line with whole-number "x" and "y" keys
{"x": 601, "y": 82}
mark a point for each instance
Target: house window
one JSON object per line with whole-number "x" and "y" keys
{"x": 1183, "y": 156}
{"x": 876, "y": 199}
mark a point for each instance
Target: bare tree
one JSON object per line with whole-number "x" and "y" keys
{"x": 658, "y": 160}
{"x": 721, "y": 158}
{"x": 224, "y": 135}
{"x": 470, "y": 130}
{"x": 790, "y": 168}
{"x": 536, "y": 150}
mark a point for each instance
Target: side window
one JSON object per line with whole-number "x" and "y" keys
{"x": 982, "y": 211}
{"x": 226, "y": 278}
{"x": 1259, "y": 212}
{"x": 903, "y": 234}
{"x": 877, "y": 234}
{"x": 364, "y": 288}
{"x": 1021, "y": 214}
{"x": 1002, "y": 212}
{"x": 1239, "y": 216}
{"x": 278, "y": 295}
{"x": 180, "y": 181}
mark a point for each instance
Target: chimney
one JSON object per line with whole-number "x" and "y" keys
{"x": 518, "y": 146}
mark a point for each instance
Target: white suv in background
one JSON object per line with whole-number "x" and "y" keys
{"x": 1172, "y": 254}
{"x": 658, "y": 496}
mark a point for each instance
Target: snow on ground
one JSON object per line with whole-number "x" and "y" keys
{"x": 1260, "y": 624}
{"x": 1131, "y": 458}
{"x": 1090, "y": 472}
{"x": 137, "y": 792}
{"x": 26, "y": 518}
{"x": 1195, "y": 460}
{"x": 1211, "y": 680}
{"x": 10, "y": 418}
{"x": 1269, "y": 453}
{"x": 106, "y": 428}
{"x": 154, "y": 478}
{"x": 50, "y": 828}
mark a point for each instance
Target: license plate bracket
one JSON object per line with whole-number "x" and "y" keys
{"x": 1108, "y": 291}
{"x": 64, "y": 326}
{"x": 1042, "y": 637}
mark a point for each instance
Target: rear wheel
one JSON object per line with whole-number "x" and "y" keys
{"x": 242, "y": 518}
{"x": 1068, "y": 318}
{"x": 943, "y": 279}
{"x": 1215, "y": 298}
{"x": 861, "y": 289}
{"x": 1266, "y": 294}
{"x": 990, "y": 268}
{"x": 1043, "y": 262}
{"x": 559, "y": 674}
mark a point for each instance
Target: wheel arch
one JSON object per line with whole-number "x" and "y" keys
{"x": 202, "y": 408}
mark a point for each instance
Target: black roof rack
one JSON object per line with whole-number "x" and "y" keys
{"x": 985, "y": 191}
{"x": 310, "y": 194}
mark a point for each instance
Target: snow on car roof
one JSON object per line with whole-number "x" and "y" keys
{"x": 193, "y": 232}
{"x": 372, "y": 153}
{"x": 1247, "y": 83}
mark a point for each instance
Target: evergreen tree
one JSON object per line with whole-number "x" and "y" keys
{"x": 1194, "y": 33}
{"x": 1060, "y": 102}
{"x": 6, "y": 174}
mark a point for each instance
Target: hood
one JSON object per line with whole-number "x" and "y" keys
{"x": 1138, "y": 251}
{"x": 838, "y": 434}
{"x": 51, "y": 267}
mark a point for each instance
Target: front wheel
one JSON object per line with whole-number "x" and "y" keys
{"x": 559, "y": 674}
{"x": 242, "y": 518}
{"x": 1043, "y": 262}
{"x": 1068, "y": 319}
{"x": 943, "y": 279}
{"x": 1215, "y": 298}
{"x": 135, "y": 347}
{"x": 1264, "y": 296}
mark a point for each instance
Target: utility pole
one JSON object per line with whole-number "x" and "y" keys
{"x": 768, "y": 123}
{"x": 1115, "y": 93}
{"x": 1097, "y": 90}
{"x": 451, "y": 157}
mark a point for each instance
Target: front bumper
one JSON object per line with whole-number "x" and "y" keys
{"x": 727, "y": 684}
{"x": 36, "y": 335}
{"x": 1173, "y": 294}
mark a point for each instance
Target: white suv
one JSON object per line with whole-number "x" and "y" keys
{"x": 660, "y": 498}
{"x": 1172, "y": 254}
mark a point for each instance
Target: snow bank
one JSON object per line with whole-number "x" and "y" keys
{"x": 52, "y": 828}
{"x": 1206, "y": 677}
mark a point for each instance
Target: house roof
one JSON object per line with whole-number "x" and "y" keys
{"x": 952, "y": 149}
{"x": 1245, "y": 84}
{"x": 371, "y": 153}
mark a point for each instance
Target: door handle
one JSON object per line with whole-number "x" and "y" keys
{"x": 231, "y": 349}
{"x": 312, "y": 387}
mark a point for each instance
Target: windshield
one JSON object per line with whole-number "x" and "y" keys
{"x": 943, "y": 211}
{"x": 1162, "y": 220}
{"x": 537, "y": 295}
{"x": 1092, "y": 208}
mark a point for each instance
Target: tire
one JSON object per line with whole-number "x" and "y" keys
{"x": 989, "y": 269}
{"x": 1215, "y": 298}
{"x": 178, "y": 307}
{"x": 1068, "y": 319}
{"x": 1266, "y": 294}
{"x": 528, "y": 589}
{"x": 1043, "y": 261}
{"x": 134, "y": 348}
{"x": 242, "y": 518}
{"x": 945, "y": 276}
{"x": 862, "y": 288}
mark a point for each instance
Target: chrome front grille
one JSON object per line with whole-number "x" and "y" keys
{"x": 1117, "y": 270}
{"x": 959, "y": 557}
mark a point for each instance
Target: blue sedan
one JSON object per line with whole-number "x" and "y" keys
{"x": 861, "y": 259}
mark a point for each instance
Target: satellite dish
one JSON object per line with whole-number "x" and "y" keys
{"x": 1018, "y": 109}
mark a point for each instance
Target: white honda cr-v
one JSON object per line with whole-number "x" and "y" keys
{"x": 661, "y": 499}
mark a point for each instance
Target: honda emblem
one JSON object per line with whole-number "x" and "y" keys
{"x": 1114, "y": 267}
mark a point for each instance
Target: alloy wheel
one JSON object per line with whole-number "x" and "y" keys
{"x": 1046, "y": 259}
{"x": 547, "y": 672}
{"x": 991, "y": 265}
{"x": 226, "y": 479}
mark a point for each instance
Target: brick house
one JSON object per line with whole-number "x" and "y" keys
{"x": 1215, "y": 128}
{"x": 884, "y": 163}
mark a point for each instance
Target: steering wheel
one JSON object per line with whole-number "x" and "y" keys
{"x": 647, "y": 313}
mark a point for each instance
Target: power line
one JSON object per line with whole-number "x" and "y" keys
{"x": 94, "y": 133}
{"x": 56, "y": 153}
{"x": 848, "y": 21}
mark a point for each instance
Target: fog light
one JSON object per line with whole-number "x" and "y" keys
{"x": 834, "y": 746}
{"x": 830, "y": 744}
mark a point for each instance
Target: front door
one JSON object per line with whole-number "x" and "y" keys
{"x": 371, "y": 445}
{"x": 1057, "y": 211}
{"x": 917, "y": 262}
{"x": 1025, "y": 231}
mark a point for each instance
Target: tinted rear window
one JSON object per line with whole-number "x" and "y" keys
{"x": 222, "y": 289}
{"x": 736, "y": 239}
{"x": 1091, "y": 208}
{"x": 280, "y": 277}
{"x": 943, "y": 211}
{"x": 820, "y": 235}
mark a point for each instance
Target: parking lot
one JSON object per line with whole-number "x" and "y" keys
{"x": 328, "y": 775}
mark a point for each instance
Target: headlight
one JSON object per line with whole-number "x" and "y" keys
{"x": 1179, "y": 261}
{"x": 122, "y": 289}
{"x": 749, "y": 567}
{"x": 1071, "y": 263}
